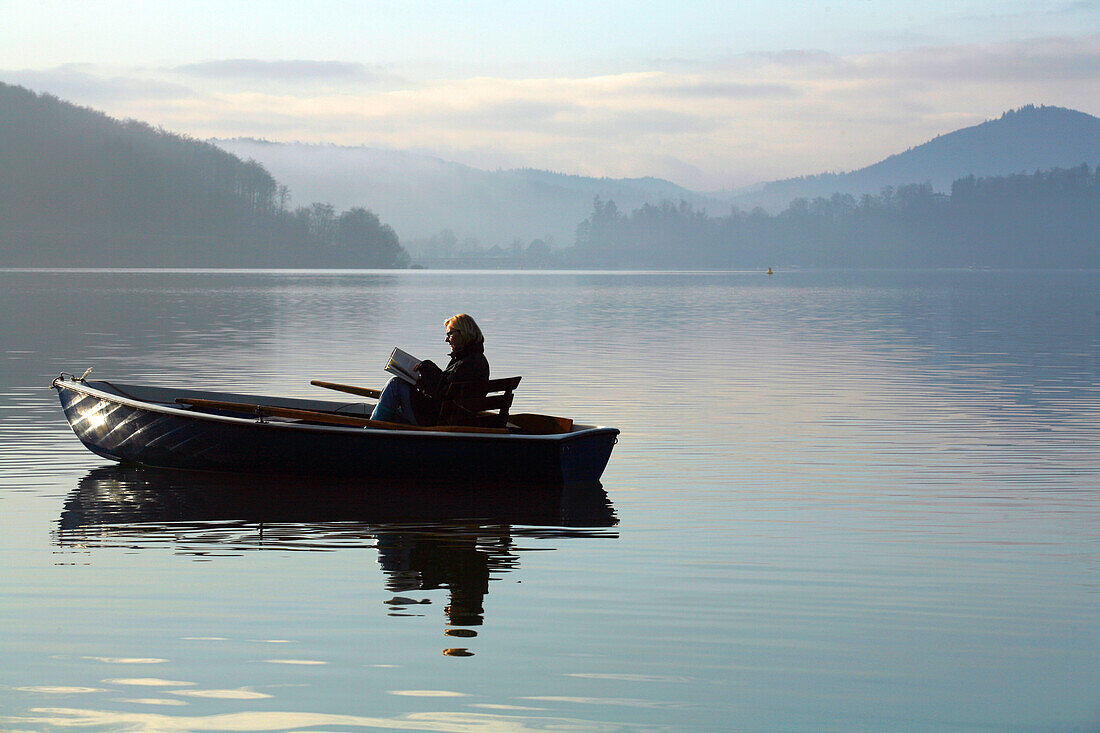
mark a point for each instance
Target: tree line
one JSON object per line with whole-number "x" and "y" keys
{"x": 1045, "y": 219}
{"x": 80, "y": 188}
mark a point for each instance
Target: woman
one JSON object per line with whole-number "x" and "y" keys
{"x": 419, "y": 405}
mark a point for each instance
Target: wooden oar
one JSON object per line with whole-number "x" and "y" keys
{"x": 350, "y": 389}
{"x": 327, "y": 417}
{"x": 528, "y": 422}
{"x": 534, "y": 424}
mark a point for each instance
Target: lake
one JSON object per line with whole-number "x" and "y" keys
{"x": 841, "y": 501}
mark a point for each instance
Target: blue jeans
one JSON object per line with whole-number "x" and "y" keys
{"x": 395, "y": 403}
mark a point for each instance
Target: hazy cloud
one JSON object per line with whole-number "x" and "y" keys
{"x": 732, "y": 90}
{"x": 509, "y": 113}
{"x": 290, "y": 70}
{"x": 85, "y": 84}
{"x": 609, "y": 125}
{"x": 1039, "y": 60}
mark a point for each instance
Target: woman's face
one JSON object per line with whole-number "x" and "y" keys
{"x": 452, "y": 338}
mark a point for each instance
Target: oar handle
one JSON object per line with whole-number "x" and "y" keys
{"x": 350, "y": 389}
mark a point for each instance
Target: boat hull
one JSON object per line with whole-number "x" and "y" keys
{"x": 128, "y": 423}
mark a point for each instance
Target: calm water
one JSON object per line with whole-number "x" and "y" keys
{"x": 841, "y": 502}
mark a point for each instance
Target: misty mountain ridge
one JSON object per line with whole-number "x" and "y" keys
{"x": 1024, "y": 140}
{"x": 80, "y": 188}
{"x": 421, "y": 195}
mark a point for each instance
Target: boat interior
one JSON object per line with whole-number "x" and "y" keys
{"x": 353, "y": 412}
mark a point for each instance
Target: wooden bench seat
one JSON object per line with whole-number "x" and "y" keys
{"x": 481, "y": 404}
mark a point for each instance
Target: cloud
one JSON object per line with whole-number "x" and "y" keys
{"x": 86, "y": 84}
{"x": 738, "y": 90}
{"x": 609, "y": 125}
{"x": 289, "y": 70}
{"x": 1038, "y": 60}
{"x": 506, "y": 114}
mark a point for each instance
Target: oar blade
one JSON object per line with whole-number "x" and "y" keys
{"x": 534, "y": 424}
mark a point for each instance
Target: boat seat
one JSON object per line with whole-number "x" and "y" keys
{"x": 482, "y": 404}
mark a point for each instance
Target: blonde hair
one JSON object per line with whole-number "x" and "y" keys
{"x": 468, "y": 331}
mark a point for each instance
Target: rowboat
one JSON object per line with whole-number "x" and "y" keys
{"x": 166, "y": 427}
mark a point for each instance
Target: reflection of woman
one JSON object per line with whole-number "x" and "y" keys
{"x": 419, "y": 405}
{"x": 454, "y": 557}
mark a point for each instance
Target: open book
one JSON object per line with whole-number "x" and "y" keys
{"x": 403, "y": 365}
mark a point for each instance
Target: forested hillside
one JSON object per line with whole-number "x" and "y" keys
{"x": 1019, "y": 141}
{"x": 80, "y": 188}
{"x": 1046, "y": 219}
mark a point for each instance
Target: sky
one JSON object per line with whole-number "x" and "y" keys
{"x": 710, "y": 95}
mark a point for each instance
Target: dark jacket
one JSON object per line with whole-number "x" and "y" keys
{"x": 468, "y": 364}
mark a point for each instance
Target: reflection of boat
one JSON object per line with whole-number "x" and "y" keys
{"x": 147, "y": 425}
{"x": 135, "y": 501}
{"x": 427, "y": 539}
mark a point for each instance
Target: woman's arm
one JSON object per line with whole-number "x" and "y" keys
{"x": 430, "y": 378}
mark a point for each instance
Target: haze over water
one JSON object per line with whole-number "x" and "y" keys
{"x": 840, "y": 501}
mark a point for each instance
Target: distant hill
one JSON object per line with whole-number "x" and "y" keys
{"x": 1045, "y": 219}
{"x": 1021, "y": 141}
{"x": 80, "y": 188}
{"x": 420, "y": 195}
{"x": 73, "y": 179}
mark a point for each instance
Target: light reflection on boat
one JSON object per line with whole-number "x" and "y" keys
{"x": 427, "y": 537}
